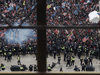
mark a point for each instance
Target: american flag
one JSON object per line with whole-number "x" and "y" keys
{"x": 5, "y": 11}
{"x": 87, "y": 19}
{"x": 56, "y": 31}
{"x": 70, "y": 37}
{"x": 66, "y": 31}
{"x": 64, "y": 14}
{"x": 85, "y": 39}
{"x": 2, "y": 34}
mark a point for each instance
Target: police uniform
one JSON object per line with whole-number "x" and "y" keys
{"x": 21, "y": 68}
{"x": 5, "y": 54}
{"x": 81, "y": 60}
{"x": 72, "y": 61}
{"x": 3, "y": 67}
{"x": 19, "y": 60}
{"x": 49, "y": 68}
{"x": 68, "y": 62}
{"x": 90, "y": 60}
{"x": 64, "y": 56}
{"x": 59, "y": 58}
{"x": 83, "y": 67}
{"x": 35, "y": 68}
{"x": 54, "y": 54}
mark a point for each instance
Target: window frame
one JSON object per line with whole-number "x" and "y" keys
{"x": 41, "y": 41}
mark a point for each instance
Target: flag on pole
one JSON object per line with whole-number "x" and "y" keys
{"x": 70, "y": 37}
{"x": 85, "y": 39}
{"x": 87, "y": 19}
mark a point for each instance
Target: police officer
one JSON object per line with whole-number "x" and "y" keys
{"x": 72, "y": 60}
{"x": 68, "y": 62}
{"x": 83, "y": 67}
{"x": 30, "y": 68}
{"x": 79, "y": 54}
{"x": 86, "y": 61}
{"x": 19, "y": 63}
{"x": 21, "y": 68}
{"x": 90, "y": 60}
{"x": 87, "y": 51}
{"x": 61, "y": 69}
{"x": 59, "y": 58}
{"x": 8, "y": 57}
{"x": 54, "y": 54}
{"x": 35, "y": 68}
{"x": 53, "y": 65}
{"x": 3, "y": 67}
{"x": 81, "y": 60}
{"x": 49, "y": 68}
{"x": 64, "y": 55}
{"x": 76, "y": 68}
{"x": 58, "y": 50}
{"x": 10, "y": 54}
{"x": 5, "y": 54}
{"x": 63, "y": 48}
{"x": 1, "y": 52}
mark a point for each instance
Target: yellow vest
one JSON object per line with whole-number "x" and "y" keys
{"x": 21, "y": 68}
{"x": 24, "y": 3}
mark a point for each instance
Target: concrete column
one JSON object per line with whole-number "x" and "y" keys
{"x": 41, "y": 36}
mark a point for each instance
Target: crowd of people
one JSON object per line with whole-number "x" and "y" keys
{"x": 61, "y": 12}
{"x": 68, "y": 12}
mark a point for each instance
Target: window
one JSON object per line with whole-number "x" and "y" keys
{"x": 41, "y": 35}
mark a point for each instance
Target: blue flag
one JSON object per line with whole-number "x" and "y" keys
{"x": 75, "y": 12}
{"x": 16, "y": 7}
{"x": 10, "y": 8}
{"x": 53, "y": 15}
{"x": 33, "y": 6}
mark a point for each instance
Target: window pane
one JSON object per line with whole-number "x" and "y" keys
{"x": 20, "y": 42}
{"x": 75, "y": 42}
{"x": 70, "y": 12}
{"x": 16, "y": 11}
